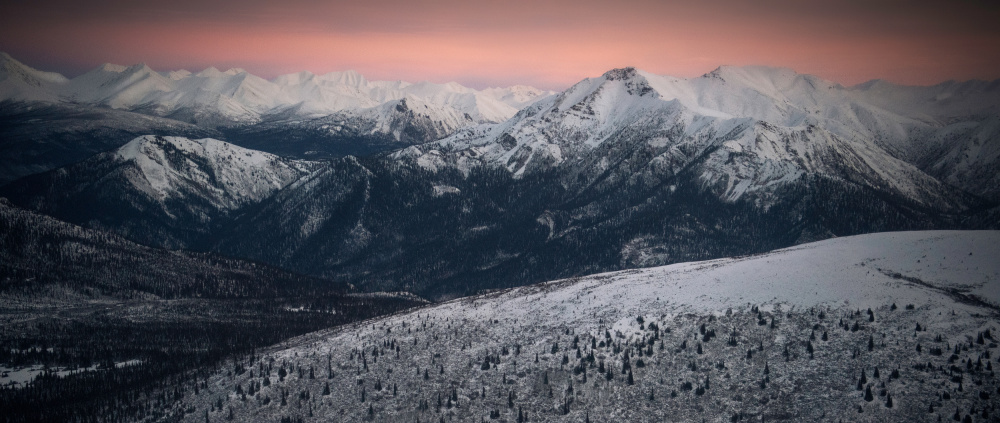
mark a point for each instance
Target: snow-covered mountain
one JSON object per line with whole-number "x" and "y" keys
{"x": 40, "y": 136}
{"x": 299, "y": 115}
{"x": 236, "y": 97}
{"x": 747, "y": 130}
{"x": 160, "y": 190}
{"x": 880, "y": 327}
{"x": 225, "y": 175}
{"x": 19, "y": 82}
{"x": 620, "y": 171}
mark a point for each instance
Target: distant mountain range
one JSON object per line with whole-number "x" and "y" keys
{"x": 301, "y": 114}
{"x": 628, "y": 169}
{"x": 236, "y": 96}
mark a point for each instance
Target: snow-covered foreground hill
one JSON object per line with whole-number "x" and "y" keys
{"x": 885, "y": 327}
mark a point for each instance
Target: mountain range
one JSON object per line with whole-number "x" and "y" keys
{"x": 236, "y": 96}
{"x": 637, "y": 247}
{"x": 628, "y": 169}
{"x": 299, "y": 114}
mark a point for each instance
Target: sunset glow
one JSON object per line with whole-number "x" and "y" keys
{"x": 546, "y": 44}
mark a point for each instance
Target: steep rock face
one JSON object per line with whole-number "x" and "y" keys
{"x": 160, "y": 190}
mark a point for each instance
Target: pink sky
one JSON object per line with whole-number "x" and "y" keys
{"x": 549, "y": 44}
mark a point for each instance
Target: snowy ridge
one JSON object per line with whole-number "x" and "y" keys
{"x": 226, "y": 175}
{"x": 235, "y": 96}
{"x": 751, "y": 128}
{"x": 862, "y": 271}
{"x": 22, "y": 83}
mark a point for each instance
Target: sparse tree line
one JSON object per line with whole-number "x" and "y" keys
{"x": 429, "y": 368}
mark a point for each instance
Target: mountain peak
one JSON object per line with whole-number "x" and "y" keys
{"x": 139, "y": 68}
{"x": 177, "y": 75}
{"x": 210, "y": 72}
{"x": 729, "y": 72}
{"x": 135, "y": 148}
{"x": 111, "y": 67}
{"x": 633, "y": 81}
{"x": 621, "y": 74}
{"x": 8, "y": 63}
{"x": 240, "y": 175}
{"x": 347, "y": 77}
{"x": 294, "y": 78}
{"x": 11, "y": 68}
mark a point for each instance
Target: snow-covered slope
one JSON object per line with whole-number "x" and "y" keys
{"x": 348, "y": 91}
{"x": 214, "y": 97}
{"x": 20, "y": 82}
{"x": 880, "y": 327}
{"x": 226, "y": 175}
{"x": 165, "y": 191}
{"x": 517, "y": 96}
{"x": 748, "y": 129}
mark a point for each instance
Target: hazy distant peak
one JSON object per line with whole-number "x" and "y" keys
{"x": 296, "y": 78}
{"x": 213, "y": 96}
{"x": 210, "y": 72}
{"x": 347, "y": 77}
{"x": 10, "y": 66}
{"x": 4, "y": 57}
{"x": 21, "y": 82}
{"x": 111, "y": 67}
{"x": 772, "y": 72}
{"x": 176, "y": 75}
